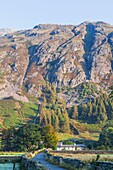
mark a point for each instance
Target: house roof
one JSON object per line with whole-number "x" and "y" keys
{"x": 66, "y": 146}
{"x": 77, "y": 145}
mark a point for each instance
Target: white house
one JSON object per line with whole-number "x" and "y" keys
{"x": 73, "y": 147}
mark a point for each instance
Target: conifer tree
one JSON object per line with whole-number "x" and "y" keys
{"x": 74, "y": 112}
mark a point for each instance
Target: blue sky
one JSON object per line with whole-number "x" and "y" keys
{"x": 21, "y": 14}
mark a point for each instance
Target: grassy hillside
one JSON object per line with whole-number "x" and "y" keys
{"x": 86, "y": 131}
{"x": 14, "y": 113}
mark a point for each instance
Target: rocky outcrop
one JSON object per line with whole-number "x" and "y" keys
{"x": 64, "y": 55}
{"x": 6, "y": 31}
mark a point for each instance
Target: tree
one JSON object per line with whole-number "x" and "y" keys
{"x": 42, "y": 119}
{"x": 28, "y": 137}
{"x": 8, "y": 139}
{"x": 83, "y": 111}
{"x": 111, "y": 92}
{"x": 106, "y": 137}
{"x": 56, "y": 125}
{"x": 74, "y": 112}
{"x": 49, "y": 136}
{"x": 65, "y": 123}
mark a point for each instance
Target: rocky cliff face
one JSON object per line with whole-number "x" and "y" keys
{"x": 63, "y": 55}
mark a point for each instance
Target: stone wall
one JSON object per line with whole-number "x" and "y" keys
{"x": 65, "y": 162}
{"x": 85, "y": 151}
{"x": 102, "y": 165}
{"x": 29, "y": 164}
{"x": 9, "y": 158}
{"x": 73, "y": 164}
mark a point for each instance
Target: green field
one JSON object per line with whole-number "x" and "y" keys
{"x": 12, "y": 153}
{"x": 86, "y": 131}
{"x": 14, "y": 113}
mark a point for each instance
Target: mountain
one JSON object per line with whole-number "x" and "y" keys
{"x": 76, "y": 60}
{"x": 4, "y": 31}
{"x": 64, "y": 55}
